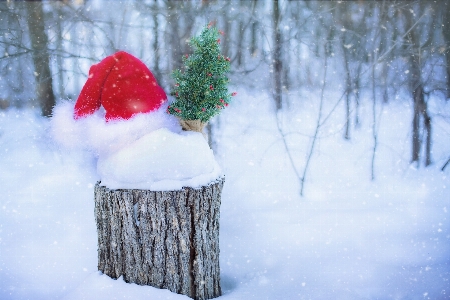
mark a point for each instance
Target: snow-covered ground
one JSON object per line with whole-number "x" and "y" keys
{"x": 347, "y": 238}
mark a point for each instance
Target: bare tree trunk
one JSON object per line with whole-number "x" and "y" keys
{"x": 277, "y": 64}
{"x": 350, "y": 40}
{"x": 174, "y": 34}
{"x": 286, "y": 82}
{"x": 254, "y": 29}
{"x": 74, "y": 61}
{"x": 165, "y": 239}
{"x": 374, "y": 54}
{"x": 384, "y": 71}
{"x": 427, "y": 125}
{"x": 59, "y": 49}
{"x": 447, "y": 56}
{"x": 417, "y": 99}
{"x": 356, "y": 91}
{"x": 240, "y": 39}
{"x": 39, "y": 43}
{"x": 421, "y": 118}
{"x": 446, "y": 33}
{"x": 188, "y": 20}
{"x": 348, "y": 90}
{"x": 226, "y": 29}
{"x": 374, "y": 122}
{"x": 156, "y": 69}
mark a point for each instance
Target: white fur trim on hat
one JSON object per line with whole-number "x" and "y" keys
{"x": 95, "y": 134}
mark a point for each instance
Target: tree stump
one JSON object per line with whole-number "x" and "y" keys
{"x": 165, "y": 239}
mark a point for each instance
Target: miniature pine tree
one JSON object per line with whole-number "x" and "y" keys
{"x": 200, "y": 90}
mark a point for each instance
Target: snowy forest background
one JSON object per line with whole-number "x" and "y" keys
{"x": 336, "y": 148}
{"x": 388, "y": 47}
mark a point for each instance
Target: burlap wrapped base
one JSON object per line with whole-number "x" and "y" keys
{"x": 192, "y": 125}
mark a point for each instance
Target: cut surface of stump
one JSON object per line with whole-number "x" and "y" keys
{"x": 165, "y": 239}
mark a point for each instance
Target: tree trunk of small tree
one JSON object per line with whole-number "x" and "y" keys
{"x": 165, "y": 239}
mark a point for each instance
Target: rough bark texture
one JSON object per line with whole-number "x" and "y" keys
{"x": 167, "y": 239}
{"x": 277, "y": 64}
{"x": 41, "y": 59}
{"x": 446, "y": 34}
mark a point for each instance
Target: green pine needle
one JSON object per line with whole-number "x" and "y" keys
{"x": 200, "y": 90}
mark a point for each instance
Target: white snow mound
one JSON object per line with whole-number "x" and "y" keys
{"x": 97, "y": 286}
{"x": 148, "y": 151}
{"x": 161, "y": 160}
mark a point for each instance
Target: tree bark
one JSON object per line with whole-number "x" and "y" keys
{"x": 417, "y": 94}
{"x": 227, "y": 29}
{"x": 155, "y": 45}
{"x": 356, "y": 89}
{"x": 254, "y": 29}
{"x": 174, "y": 34}
{"x": 165, "y": 239}
{"x": 447, "y": 56}
{"x": 41, "y": 60}
{"x": 59, "y": 14}
{"x": 446, "y": 34}
{"x": 277, "y": 64}
{"x": 348, "y": 89}
{"x": 240, "y": 38}
{"x": 421, "y": 118}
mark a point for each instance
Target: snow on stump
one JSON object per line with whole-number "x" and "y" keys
{"x": 165, "y": 239}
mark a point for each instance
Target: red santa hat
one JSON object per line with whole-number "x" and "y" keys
{"x": 130, "y": 96}
{"x": 123, "y": 85}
